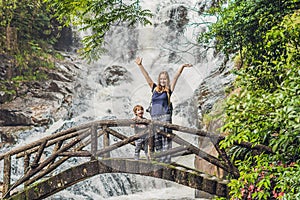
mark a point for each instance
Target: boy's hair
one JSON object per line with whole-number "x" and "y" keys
{"x": 137, "y": 107}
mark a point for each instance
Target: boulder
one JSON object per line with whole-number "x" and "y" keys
{"x": 115, "y": 75}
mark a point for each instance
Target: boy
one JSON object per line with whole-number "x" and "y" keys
{"x": 142, "y": 142}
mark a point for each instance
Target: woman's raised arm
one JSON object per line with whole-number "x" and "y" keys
{"x": 173, "y": 84}
{"x": 138, "y": 61}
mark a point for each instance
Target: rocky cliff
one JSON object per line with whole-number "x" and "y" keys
{"x": 38, "y": 103}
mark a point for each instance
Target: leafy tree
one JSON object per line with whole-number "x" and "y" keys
{"x": 99, "y": 16}
{"x": 241, "y": 24}
{"x": 29, "y": 28}
{"x": 271, "y": 118}
{"x": 266, "y": 110}
{"x": 31, "y": 21}
{"x": 25, "y": 32}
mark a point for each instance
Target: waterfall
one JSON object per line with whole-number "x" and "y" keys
{"x": 110, "y": 87}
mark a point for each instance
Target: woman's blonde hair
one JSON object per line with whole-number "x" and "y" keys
{"x": 166, "y": 88}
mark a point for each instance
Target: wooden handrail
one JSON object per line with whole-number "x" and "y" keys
{"x": 73, "y": 141}
{"x": 54, "y": 165}
{"x": 110, "y": 123}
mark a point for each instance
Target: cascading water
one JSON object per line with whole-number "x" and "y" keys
{"x": 110, "y": 87}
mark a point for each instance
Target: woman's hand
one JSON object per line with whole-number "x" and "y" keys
{"x": 187, "y": 65}
{"x": 138, "y": 61}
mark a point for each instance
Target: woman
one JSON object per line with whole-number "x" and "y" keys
{"x": 161, "y": 106}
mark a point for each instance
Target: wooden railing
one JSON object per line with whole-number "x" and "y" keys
{"x": 83, "y": 141}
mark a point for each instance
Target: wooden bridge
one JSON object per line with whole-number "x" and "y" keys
{"x": 93, "y": 142}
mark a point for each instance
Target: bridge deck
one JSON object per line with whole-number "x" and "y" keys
{"x": 76, "y": 174}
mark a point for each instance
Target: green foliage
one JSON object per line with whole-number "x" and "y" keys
{"x": 266, "y": 180}
{"x": 26, "y": 32}
{"x": 243, "y": 24}
{"x": 266, "y": 109}
{"x": 28, "y": 29}
{"x": 99, "y": 17}
{"x": 267, "y": 112}
{"x": 7, "y": 11}
{"x": 31, "y": 20}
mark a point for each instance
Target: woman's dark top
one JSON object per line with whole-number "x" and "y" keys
{"x": 160, "y": 102}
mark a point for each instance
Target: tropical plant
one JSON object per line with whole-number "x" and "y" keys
{"x": 265, "y": 111}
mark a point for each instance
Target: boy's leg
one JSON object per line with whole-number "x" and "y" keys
{"x": 138, "y": 144}
{"x": 145, "y": 141}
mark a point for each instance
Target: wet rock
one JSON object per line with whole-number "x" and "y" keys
{"x": 212, "y": 89}
{"x": 10, "y": 117}
{"x": 115, "y": 75}
{"x": 6, "y": 138}
{"x": 9, "y": 134}
{"x": 39, "y": 103}
{"x": 65, "y": 41}
{"x": 122, "y": 42}
{"x": 205, "y": 5}
{"x": 177, "y": 18}
{"x": 172, "y": 21}
{"x": 4, "y": 97}
{"x": 210, "y": 96}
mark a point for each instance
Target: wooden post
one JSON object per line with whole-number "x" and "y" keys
{"x": 94, "y": 142}
{"x": 6, "y": 176}
{"x": 56, "y": 148}
{"x": 26, "y": 165}
{"x": 38, "y": 155}
{"x": 106, "y": 141}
